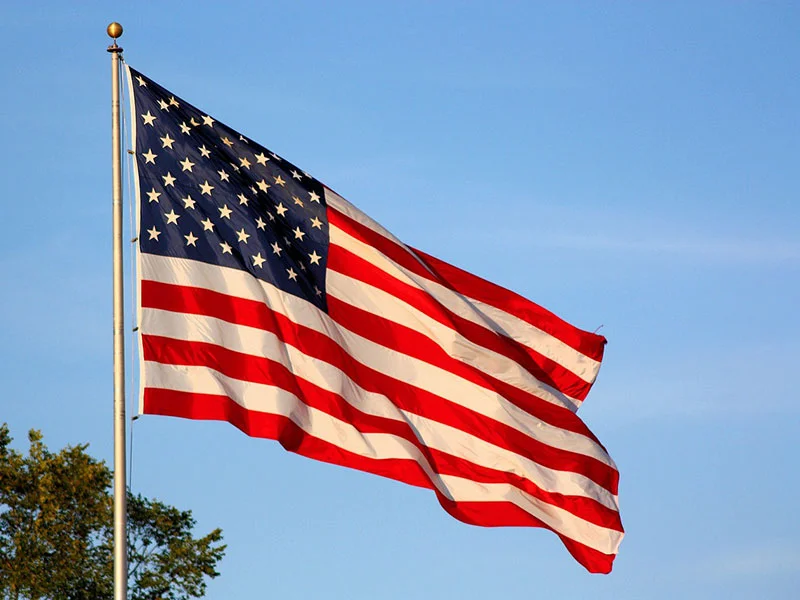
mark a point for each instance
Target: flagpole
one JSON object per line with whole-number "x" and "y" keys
{"x": 114, "y": 30}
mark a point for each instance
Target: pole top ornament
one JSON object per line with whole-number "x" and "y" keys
{"x": 114, "y": 30}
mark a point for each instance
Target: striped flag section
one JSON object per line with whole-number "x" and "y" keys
{"x": 414, "y": 370}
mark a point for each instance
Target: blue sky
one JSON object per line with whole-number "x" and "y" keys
{"x": 630, "y": 165}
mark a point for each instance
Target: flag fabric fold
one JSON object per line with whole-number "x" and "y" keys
{"x": 269, "y": 301}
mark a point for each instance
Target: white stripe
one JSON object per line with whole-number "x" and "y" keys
{"x": 272, "y": 400}
{"x": 375, "y": 300}
{"x": 405, "y": 368}
{"x": 258, "y": 343}
{"x": 476, "y": 311}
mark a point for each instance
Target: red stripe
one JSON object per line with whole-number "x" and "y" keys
{"x": 294, "y": 439}
{"x": 542, "y": 368}
{"x": 436, "y": 270}
{"x": 251, "y": 313}
{"x": 507, "y": 514}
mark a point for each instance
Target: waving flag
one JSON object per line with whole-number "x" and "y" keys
{"x": 269, "y": 301}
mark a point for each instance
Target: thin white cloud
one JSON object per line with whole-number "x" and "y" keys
{"x": 642, "y": 245}
{"x": 766, "y": 560}
{"x": 738, "y": 250}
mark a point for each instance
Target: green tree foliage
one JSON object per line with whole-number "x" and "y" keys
{"x": 56, "y": 532}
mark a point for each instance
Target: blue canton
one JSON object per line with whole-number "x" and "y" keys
{"x": 210, "y": 194}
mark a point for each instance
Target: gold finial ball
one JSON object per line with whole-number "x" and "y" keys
{"x": 114, "y": 30}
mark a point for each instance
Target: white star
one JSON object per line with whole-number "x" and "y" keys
{"x": 227, "y": 142}
{"x": 185, "y": 128}
{"x": 190, "y": 239}
{"x": 188, "y": 202}
{"x": 207, "y": 224}
{"x": 173, "y": 102}
{"x": 296, "y": 175}
{"x": 275, "y": 156}
{"x": 194, "y": 122}
{"x": 206, "y": 187}
{"x": 223, "y": 175}
{"x": 276, "y": 249}
{"x": 225, "y": 212}
{"x": 148, "y": 118}
{"x": 149, "y": 157}
{"x": 242, "y": 235}
{"x": 292, "y": 274}
{"x": 226, "y": 249}
{"x": 243, "y": 199}
{"x": 204, "y": 152}
{"x": 168, "y": 179}
{"x": 153, "y": 195}
{"x": 234, "y": 167}
{"x": 262, "y": 158}
{"x": 172, "y": 217}
{"x": 244, "y": 162}
{"x": 317, "y": 291}
{"x": 315, "y": 222}
{"x": 162, "y": 104}
{"x": 260, "y": 224}
{"x": 281, "y": 209}
{"x": 298, "y": 234}
{"x": 258, "y": 260}
{"x": 208, "y": 121}
{"x": 279, "y": 180}
{"x": 302, "y": 266}
{"x": 263, "y": 185}
{"x": 154, "y": 233}
{"x": 271, "y": 216}
{"x": 187, "y": 165}
{"x": 314, "y": 257}
{"x": 166, "y": 142}
{"x": 242, "y": 138}
{"x": 142, "y": 82}
{"x": 297, "y": 201}
{"x": 314, "y": 196}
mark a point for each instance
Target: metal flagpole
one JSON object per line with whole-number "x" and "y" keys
{"x": 120, "y": 505}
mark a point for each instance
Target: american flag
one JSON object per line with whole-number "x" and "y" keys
{"x": 269, "y": 301}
